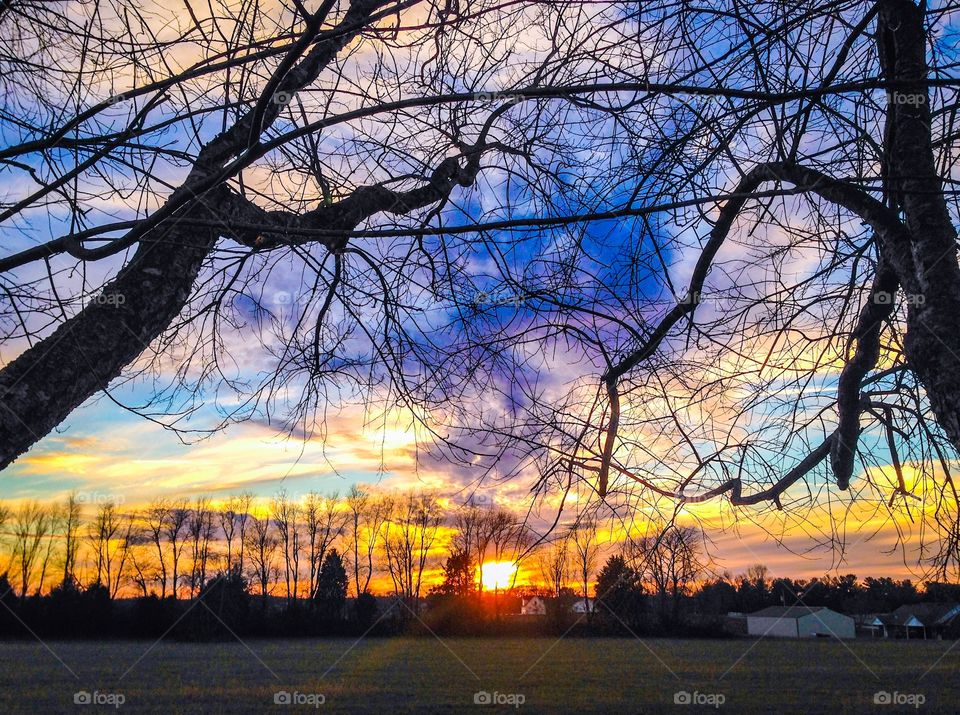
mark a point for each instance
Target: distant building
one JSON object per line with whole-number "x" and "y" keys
{"x": 533, "y": 606}
{"x": 800, "y": 622}
{"x": 583, "y": 605}
{"x": 918, "y": 620}
{"x": 869, "y": 624}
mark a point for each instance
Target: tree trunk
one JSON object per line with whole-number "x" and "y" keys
{"x": 932, "y": 341}
{"x": 51, "y": 379}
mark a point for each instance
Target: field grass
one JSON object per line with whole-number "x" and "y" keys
{"x": 430, "y": 675}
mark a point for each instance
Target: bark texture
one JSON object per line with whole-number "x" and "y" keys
{"x": 933, "y": 323}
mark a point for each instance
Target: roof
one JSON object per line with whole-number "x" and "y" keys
{"x": 899, "y": 619}
{"x": 929, "y": 614}
{"x": 786, "y": 611}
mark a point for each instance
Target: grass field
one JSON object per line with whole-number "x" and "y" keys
{"x": 429, "y": 675}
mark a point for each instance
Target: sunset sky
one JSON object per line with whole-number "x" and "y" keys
{"x": 103, "y": 451}
{"x": 106, "y": 451}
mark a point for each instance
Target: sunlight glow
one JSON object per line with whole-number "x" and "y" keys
{"x": 498, "y": 575}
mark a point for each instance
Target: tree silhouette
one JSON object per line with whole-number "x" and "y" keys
{"x": 734, "y": 228}
{"x": 331, "y": 594}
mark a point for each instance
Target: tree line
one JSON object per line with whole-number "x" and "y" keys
{"x": 171, "y": 548}
{"x": 312, "y": 565}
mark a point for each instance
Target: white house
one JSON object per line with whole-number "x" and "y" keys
{"x": 533, "y": 606}
{"x": 800, "y": 622}
{"x": 918, "y": 620}
{"x": 583, "y": 605}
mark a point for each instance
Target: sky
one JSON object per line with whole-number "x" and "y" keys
{"x": 105, "y": 451}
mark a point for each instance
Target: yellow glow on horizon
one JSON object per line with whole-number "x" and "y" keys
{"x": 498, "y": 575}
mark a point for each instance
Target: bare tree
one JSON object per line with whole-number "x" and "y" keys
{"x": 367, "y": 516}
{"x": 200, "y": 528}
{"x": 357, "y": 504}
{"x": 286, "y": 515}
{"x": 325, "y": 522}
{"x": 71, "y": 541}
{"x": 156, "y": 518}
{"x": 505, "y": 532}
{"x": 174, "y": 530}
{"x": 407, "y": 540}
{"x": 585, "y": 551}
{"x": 144, "y": 573}
{"x": 468, "y": 521}
{"x": 671, "y": 562}
{"x": 499, "y": 536}
{"x": 55, "y": 523}
{"x": 227, "y": 517}
{"x": 242, "y": 505}
{"x": 111, "y": 535}
{"x": 553, "y": 561}
{"x": 708, "y": 211}
{"x": 31, "y": 524}
{"x": 262, "y": 545}
{"x": 177, "y": 239}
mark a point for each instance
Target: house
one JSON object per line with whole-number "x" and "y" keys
{"x": 800, "y": 622}
{"x": 533, "y": 606}
{"x": 583, "y": 605}
{"x": 869, "y": 624}
{"x": 918, "y": 620}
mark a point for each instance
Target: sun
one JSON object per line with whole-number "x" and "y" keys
{"x": 498, "y": 575}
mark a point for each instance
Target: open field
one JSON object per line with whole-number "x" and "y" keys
{"x": 429, "y": 675}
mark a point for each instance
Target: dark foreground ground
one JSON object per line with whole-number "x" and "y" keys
{"x": 449, "y": 675}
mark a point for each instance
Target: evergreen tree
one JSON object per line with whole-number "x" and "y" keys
{"x": 332, "y": 586}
